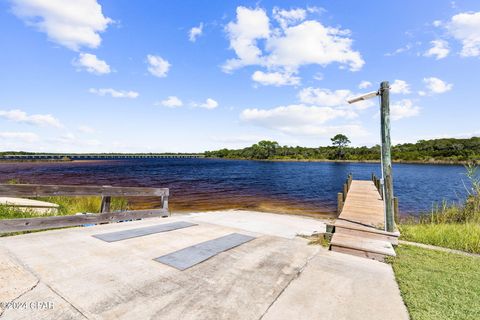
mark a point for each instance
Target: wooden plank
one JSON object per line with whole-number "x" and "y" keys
{"x": 25, "y": 224}
{"x": 363, "y": 244}
{"x": 393, "y": 239}
{"x": 35, "y": 190}
{"x": 359, "y": 253}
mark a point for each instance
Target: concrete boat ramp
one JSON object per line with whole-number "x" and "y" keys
{"x": 212, "y": 265}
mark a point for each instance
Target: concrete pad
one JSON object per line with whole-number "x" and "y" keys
{"x": 119, "y": 280}
{"x": 280, "y": 225}
{"x": 87, "y": 278}
{"x": 339, "y": 286}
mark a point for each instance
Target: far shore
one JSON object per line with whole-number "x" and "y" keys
{"x": 445, "y": 162}
{"x": 43, "y": 161}
{"x": 441, "y": 162}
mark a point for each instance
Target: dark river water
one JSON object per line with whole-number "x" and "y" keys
{"x": 210, "y": 184}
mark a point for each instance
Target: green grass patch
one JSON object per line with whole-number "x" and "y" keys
{"x": 465, "y": 237}
{"x": 67, "y": 206}
{"x": 438, "y": 285}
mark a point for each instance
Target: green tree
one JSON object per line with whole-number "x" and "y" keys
{"x": 265, "y": 149}
{"x": 340, "y": 141}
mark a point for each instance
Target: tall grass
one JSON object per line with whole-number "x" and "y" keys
{"x": 468, "y": 212}
{"x": 67, "y": 206}
{"x": 455, "y": 226}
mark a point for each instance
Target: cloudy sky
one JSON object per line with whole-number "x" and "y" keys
{"x": 155, "y": 76}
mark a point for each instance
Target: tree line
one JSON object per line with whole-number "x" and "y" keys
{"x": 447, "y": 150}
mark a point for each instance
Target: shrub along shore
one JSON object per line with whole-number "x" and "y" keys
{"x": 442, "y": 151}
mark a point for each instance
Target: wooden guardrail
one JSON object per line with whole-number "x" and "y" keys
{"x": 378, "y": 184}
{"x": 342, "y": 196}
{"x": 105, "y": 216}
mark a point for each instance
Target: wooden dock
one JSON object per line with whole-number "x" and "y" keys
{"x": 360, "y": 227}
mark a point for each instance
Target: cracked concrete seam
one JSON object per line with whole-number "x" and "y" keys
{"x": 21, "y": 295}
{"x": 295, "y": 276}
{"x": 35, "y": 275}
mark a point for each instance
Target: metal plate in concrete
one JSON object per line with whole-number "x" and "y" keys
{"x": 190, "y": 256}
{"x": 140, "y": 232}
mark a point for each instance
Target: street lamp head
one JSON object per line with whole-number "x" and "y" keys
{"x": 365, "y": 96}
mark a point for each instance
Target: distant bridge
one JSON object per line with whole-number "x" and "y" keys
{"x": 93, "y": 156}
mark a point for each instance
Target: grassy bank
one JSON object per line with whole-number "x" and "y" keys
{"x": 438, "y": 285}
{"x": 67, "y": 206}
{"x": 465, "y": 237}
{"x": 455, "y": 226}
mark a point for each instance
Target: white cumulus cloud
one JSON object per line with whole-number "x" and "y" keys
{"x": 400, "y": 86}
{"x": 364, "y": 84}
{"x": 158, "y": 66}
{"x": 275, "y": 78}
{"x": 465, "y": 27}
{"x": 435, "y": 85}
{"x": 403, "y": 109}
{"x": 86, "y": 129}
{"x": 171, "y": 102}
{"x": 439, "y": 49}
{"x": 72, "y": 24}
{"x": 331, "y": 98}
{"x": 20, "y": 116}
{"x": 289, "y": 17}
{"x": 208, "y": 104}
{"x": 297, "y": 42}
{"x": 91, "y": 63}
{"x": 302, "y": 120}
{"x": 195, "y": 32}
{"x": 114, "y": 93}
{"x": 19, "y": 136}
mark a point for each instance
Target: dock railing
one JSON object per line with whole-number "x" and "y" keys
{"x": 379, "y": 186}
{"x": 342, "y": 196}
{"x": 105, "y": 215}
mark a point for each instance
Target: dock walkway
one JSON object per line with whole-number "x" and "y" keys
{"x": 360, "y": 227}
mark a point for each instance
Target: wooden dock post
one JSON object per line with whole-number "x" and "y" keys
{"x": 105, "y": 206}
{"x": 395, "y": 209}
{"x": 339, "y": 202}
{"x": 345, "y": 191}
{"x": 386, "y": 155}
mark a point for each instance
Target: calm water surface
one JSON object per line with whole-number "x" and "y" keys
{"x": 208, "y": 184}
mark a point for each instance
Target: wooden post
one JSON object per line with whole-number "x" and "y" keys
{"x": 345, "y": 191}
{"x": 395, "y": 209}
{"x": 339, "y": 202}
{"x": 105, "y": 206}
{"x": 386, "y": 156}
{"x": 165, "y": 203}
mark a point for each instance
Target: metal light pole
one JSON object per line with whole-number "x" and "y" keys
{"x": 386, "y": 159}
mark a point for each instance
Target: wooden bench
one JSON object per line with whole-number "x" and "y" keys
{"x": 105, "y": 215}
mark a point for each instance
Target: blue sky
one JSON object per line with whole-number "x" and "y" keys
{"x": 188, "y": 76}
